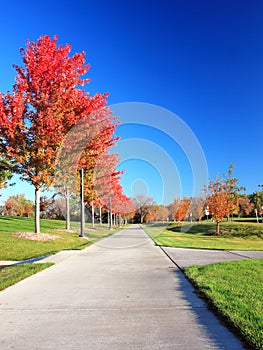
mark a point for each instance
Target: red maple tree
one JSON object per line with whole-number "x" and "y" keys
{"x": 126, "y": 208}
{"x": 45, "y": 103}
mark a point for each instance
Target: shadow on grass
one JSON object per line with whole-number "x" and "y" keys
{"x": 231, "y": 229}
{"x": 205, "y": 229}
{"x": 8, "y": 218}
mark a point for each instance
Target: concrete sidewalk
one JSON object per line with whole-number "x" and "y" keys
{"x": 121, "y": 293}
{"x": 183, "y": 257}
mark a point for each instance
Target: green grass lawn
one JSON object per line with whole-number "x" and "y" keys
{"x": 235, "y": 290}
{"x": 13, "y": 248}
{"x": 248, "y": 219}
{"x": 10, "y": 275}
{"x": 239, "y": 236}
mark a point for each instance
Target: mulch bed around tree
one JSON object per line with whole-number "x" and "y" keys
{"x": 35, "y": 236}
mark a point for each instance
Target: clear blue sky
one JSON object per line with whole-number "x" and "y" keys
{"x": 201, "y": 60}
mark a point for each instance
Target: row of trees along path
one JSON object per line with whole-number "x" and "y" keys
{"x": 47, "y": 101}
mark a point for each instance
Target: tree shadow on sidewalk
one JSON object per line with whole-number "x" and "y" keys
{"x": 212, "y": 326}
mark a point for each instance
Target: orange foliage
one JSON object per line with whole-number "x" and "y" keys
{"x": 219, "y": 200}
{"x": 180, "y": 208}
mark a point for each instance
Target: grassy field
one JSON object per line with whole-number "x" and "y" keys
{"x": 14, "y": 248}
{"x": 238, "y": 236}
{"x": 234, "y": 289}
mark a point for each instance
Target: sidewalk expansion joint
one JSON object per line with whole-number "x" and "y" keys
{"x": 132, "y": 308}
{"x": 239, "y": 254}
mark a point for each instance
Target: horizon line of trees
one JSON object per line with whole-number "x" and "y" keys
{"x": 222, "y": 199}
{"x": 195, "y": 208}
{"x": 142, "y": 210}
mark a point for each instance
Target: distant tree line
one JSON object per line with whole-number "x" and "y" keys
{"x": 144, "y": 210}
{"x": 221, "y": 199}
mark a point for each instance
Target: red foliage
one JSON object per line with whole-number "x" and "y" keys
{"x": 44, "y": 105}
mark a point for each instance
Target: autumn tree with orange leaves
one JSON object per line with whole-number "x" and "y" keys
{"x": 179, "y": 209}
{"x": 46, "y": 102}
{"x": 221, "y": 197}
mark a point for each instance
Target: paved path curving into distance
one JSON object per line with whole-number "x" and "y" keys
{"x": 121, "y": 293}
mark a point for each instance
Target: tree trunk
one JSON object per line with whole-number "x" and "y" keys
{"x": 37, "y": 210}
{"x": 217, "y": 227}
{"x": 92, "y": 215}
{"x": 110, "y": 220}
{"x": 100, "y": 217}
{"x": 82, "y": 205}
{"x": 67, "y": 210}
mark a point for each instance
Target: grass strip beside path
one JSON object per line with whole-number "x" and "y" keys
{"x": 238, "y": 236}
{"x": 10, "y": 275}
{"x": 15, "y": 248}
{"x": 235, "y": 290}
